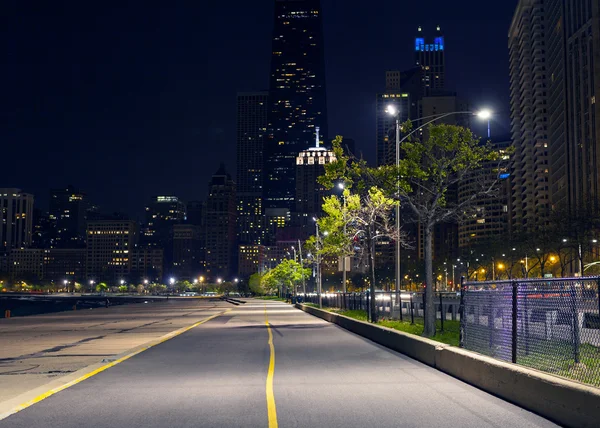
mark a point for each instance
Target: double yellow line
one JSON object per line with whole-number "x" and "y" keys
{"x": 271, "y": 409}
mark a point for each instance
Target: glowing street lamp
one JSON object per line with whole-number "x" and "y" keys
{"x": 219, "y": 280}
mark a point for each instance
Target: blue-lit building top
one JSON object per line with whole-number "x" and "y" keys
{"x": 429, "y": 55}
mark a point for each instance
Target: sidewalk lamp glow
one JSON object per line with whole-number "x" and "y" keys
{"x": 122, "y": 281}
{"x": 171, "y": 281}
{"x": 195, "y": 281}
{"x": 236, "y": 280}
{"x": 146, "y": 281}
{"x": 219, "y": 280}
{"x": 201, "y": 279}
{"x": 341, "y": 186}
{"x": 391, "y": 110}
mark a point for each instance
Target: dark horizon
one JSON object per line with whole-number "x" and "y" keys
{"x": 125, "y": 103}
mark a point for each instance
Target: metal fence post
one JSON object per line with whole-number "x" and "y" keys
{"x": 575, "y": 323}
{"x": 442, "y": 311}
{"x": 461, "y": 313}
{"x": 412, "y": 314}
{"x": 515, "y": 289}
{"x": 400, "y": 305}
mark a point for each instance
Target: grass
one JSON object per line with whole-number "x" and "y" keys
{"x": 449, "y": 336}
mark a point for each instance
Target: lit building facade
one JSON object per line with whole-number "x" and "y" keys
{"x": 161, "y": 214}
{"x": 252, "y": 111}
{"x": 297, "y": 96}
{"x": 65, "y": 264}
{"x": 16, "y": 219}
{"x": 109, "y": 244}
{"x": 26, "y": 264}
{"x": 529, "y": 118}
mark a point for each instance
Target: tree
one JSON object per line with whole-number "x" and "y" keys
{"x": 182, "y": 286}
{"x": 101, "y": 287}
{"x": 123, "y": 289}
{"x": 287, "y": 274}
{"x": 430, "y": 169}
{"x": 140, "y": 289}
{"x": 368, "y": 219}
{"x": 256, "y": 284}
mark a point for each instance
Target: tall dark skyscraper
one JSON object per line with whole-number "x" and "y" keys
{"x": 430, "y": 56}
{"x": 297, "y": 95}
{"x": 252, "y": 108}
{"x": 68, "y": 208}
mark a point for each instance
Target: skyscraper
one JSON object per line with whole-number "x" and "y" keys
{"x": 252, "y": 111}
{"x": 68, "y": 207}
{"x": 220, "y": 225}
{"x": 16, "y": 219}
{"x": 529, "y": 117}
{"x": 430, "y": 56}
{"x": 297, "y": 97}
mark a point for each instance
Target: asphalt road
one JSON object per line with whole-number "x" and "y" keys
{"x": 215, "y": 375}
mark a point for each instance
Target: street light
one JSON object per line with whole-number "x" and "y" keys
{"x": 342, "y": 186}
{"x": 66, "y": 282}
{"x": 318, "y": 263}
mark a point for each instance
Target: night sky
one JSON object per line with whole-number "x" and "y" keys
{"x": 131, "y": 99}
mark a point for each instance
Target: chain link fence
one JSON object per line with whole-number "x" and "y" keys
{"x": 551, "y": 325}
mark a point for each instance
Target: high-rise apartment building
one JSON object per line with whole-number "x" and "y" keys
{"x": 146, "y": 263}
{"x": 488, "y": 220}
{"x": 430, "y": 56}
{"x": 530, "y": 173}
{"x": 68, "y": 208}
{"x": 221, "y": 225}
{"x": 65, "y": 264}
{"x": 252, "y": 111}
{"x": 109, "y": 244}
{"x": 26, "y": 264}
{"x": 297, "y": 95}
{"x": 16, "y": 219}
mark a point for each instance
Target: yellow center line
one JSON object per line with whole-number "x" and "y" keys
{"x": 271, "y": 409}
{"x": 104, "y": 367}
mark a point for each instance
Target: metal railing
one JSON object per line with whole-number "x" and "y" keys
{"x": 407, "y": 306}
{"x": 551, "y": 325}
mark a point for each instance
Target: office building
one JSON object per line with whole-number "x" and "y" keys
{"x": 161, "y": 214}
{"x": 68, "y": 208}
{"x": 26, "y": 264}
{"x": 430, "y": 56}
{"x": 297, "y": 96}
{"x": 529, "y": 117}
{"x": 16, "y": 219}
{"x": 252, "y": 111}
{"x": 189, "y": 251}
{"x": 109, "y": 244}
{"x": 221, "y": 225}
{"x": 65, "y": 264}
{"x": 146, "y": 264}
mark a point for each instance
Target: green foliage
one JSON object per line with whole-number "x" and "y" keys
{"x": 286, "y": 274}
{"x": 256, "y": 284}
{"x": 123, "y": 289}
{"x": 101, "y": 287}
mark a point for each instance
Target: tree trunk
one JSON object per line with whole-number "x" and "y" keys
{"x": 429, "y": 327}
{"x": 372, "y": 302}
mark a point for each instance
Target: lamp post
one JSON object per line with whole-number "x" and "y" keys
{"x": 393, "y": 111}
{"x": 91, "y": 285}
{"x": 341, "y": 186}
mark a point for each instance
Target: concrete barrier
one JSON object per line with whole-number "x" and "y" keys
{"x": 563, "y": 401}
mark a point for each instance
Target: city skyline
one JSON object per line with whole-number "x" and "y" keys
{"x": 151, "y": 160}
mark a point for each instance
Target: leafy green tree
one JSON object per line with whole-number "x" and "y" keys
{"x": 182, "y": 286}
{"x": 287, "y": 274}
{"x": 256, "y": 284}
{"x": 140, "y": 289}
{"x": 123, "y": 289}
{"x": 101, "y": 287}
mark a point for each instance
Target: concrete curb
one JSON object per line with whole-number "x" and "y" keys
{"x": 565, "y": 402}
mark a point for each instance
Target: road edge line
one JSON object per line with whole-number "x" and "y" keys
{"x": 104, "y": 367}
